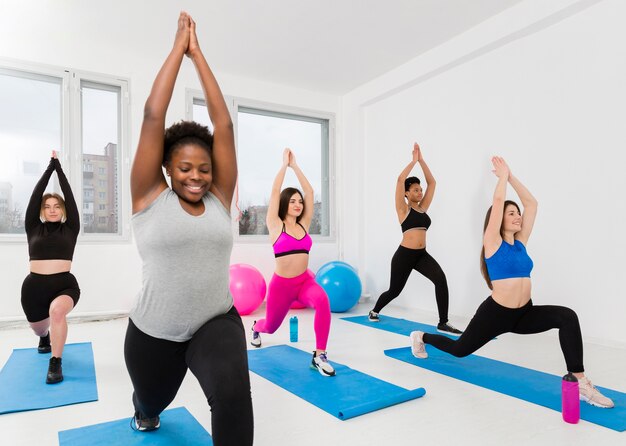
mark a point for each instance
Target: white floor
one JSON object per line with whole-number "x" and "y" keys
{"x": 451, "y": 413}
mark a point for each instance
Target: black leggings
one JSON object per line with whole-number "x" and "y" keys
{"x": 492, "y": 319}
{"x": 216, "y": 355}
{"x": 403, "y": 262}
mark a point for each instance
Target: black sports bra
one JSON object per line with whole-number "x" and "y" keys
{"x": 415, "y": 220}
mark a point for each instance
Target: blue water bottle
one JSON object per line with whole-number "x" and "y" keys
{"x": 293, "y": 329}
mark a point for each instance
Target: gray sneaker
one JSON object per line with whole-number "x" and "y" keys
{"x": 145, "y": 424}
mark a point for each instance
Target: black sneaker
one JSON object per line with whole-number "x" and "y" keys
{"x": 373, "y": 317}
{"x": 55, "y": 371}
{"x": 144, "y": 424}
{"x": 449, "y": 329}
{"x": 44, "y": 344}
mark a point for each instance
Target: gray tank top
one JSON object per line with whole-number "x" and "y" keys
{"x": 185, "y": 266}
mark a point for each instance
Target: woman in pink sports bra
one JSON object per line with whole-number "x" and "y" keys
{"x": 289, "y": 215}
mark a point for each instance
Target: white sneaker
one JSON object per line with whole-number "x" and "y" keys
{"x": 589, "y": 394}
{"x": 321, "y": 364}
{"x": 418, "y": 348}
{"x": 256, "y": 337}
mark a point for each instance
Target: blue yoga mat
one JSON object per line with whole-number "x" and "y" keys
{"x": 395, "y": 325}
{"x": 526, "y": 384}
{"x": 347, "y": 395}
{"x": 23, "y": 380}
{"x": 178, "y": 427}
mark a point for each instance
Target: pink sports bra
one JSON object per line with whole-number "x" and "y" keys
{"x": 287, "y": 244}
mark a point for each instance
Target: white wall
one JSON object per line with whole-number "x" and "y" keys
{"x": 83, "y": 36}
{"x": 542, "y": 85}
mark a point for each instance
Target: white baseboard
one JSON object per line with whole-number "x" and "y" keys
{"x": 95, "y": 316}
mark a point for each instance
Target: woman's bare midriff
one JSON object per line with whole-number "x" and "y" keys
{"x": 53, "y": 266}
{"x": 511, "y": 293}
{"x": 292, "y": 265}
{"x": 414, "y": 239}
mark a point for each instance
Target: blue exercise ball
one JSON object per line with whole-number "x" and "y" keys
{"x": 341, "y": 283}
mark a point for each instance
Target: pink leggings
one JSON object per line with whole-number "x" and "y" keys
{"x": 283, "y": 292}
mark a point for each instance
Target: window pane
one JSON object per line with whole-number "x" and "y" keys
{"x": 201, "y": 114}
{"x": 30, "y": 127}
{"x": 100, "y": 136}
{"x": 261, "y": 138}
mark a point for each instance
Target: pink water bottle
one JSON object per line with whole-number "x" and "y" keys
{"x": 570, "y": 400}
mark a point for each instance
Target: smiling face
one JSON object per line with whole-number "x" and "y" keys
{"x": 191, "y": 172}
{"x": 52, "y": 210}
{"x": 296, "y": 205}
{"x": 512, "y": 219}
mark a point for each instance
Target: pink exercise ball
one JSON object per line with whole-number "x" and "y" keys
{"x": 247, "y": 286}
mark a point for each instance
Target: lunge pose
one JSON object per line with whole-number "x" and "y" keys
{"x": 184, "y": 317}
{"x": 411, "y": 206}
{"x": 50, "y": 291}
{"x": 506, "y": 267}
{"x": 289, "y": 216}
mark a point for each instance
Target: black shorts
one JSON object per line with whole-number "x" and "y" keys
{"x": 39, "y": 290}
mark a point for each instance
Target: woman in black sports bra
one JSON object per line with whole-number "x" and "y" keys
{"x": 411, "y": 254}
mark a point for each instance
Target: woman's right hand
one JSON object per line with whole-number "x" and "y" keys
{"x": 182, "y": 33}
{"x": 286, "y": 156}
{"x": 500, "y": 167}
{"x": 417, "y": 153}
{"x": 54, "y": 154}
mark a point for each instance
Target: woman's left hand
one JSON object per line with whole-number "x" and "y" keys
{"x": 54, "y": 154}
{"x": 417, "y": 153}
{"x": 193, "y": 38}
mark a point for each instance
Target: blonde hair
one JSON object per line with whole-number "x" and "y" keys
{"x": 59, "y": 199}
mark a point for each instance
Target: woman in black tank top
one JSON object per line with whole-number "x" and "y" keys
{"x": 411, "y": 206}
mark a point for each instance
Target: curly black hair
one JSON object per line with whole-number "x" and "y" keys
{"x": 409, "y": 181}
{"x": 186, "y": 132}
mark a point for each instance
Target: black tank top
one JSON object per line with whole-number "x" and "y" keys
{"x": 415, "y": 220}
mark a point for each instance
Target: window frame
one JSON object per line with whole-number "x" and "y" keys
{"x": 234, "y": 104}
{"x": 71, "y": 139}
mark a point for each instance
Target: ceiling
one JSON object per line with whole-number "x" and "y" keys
{"x": 329, "y": 46}
{"x": 332, "y": 46}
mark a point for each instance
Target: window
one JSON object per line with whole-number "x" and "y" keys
{"x": 30, "y": 127}
{"x": 262, "y": 133}
{"x": 101, "y": 129}
{"x": 82, "y": 116}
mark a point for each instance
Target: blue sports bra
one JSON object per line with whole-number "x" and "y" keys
{"x": 509, "y": 261}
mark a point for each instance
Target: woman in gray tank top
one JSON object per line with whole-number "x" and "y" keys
{"x": 184, "y": 316}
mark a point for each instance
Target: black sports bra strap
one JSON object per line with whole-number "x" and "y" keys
{"x": 283, "y": 227}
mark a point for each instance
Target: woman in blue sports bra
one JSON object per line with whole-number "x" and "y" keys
{"x": 411, "y": 254}
{"x": 288, "y": 219}
{"x": 506, "y": 267}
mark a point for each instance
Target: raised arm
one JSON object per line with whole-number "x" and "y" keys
{"x": 530, "y": 209}
{"x": 429, "y": 193}
{"x": 307, "y": 190}
{"x": 402, "y": 208}
{"x": 224, "y": 157}
{"x": 72, "y": 217}
{"x": 146, "y": 177}
{"x": 272, "y": 220}
{"x": 31, "y": 219}
{"x": 492, "y": 238}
